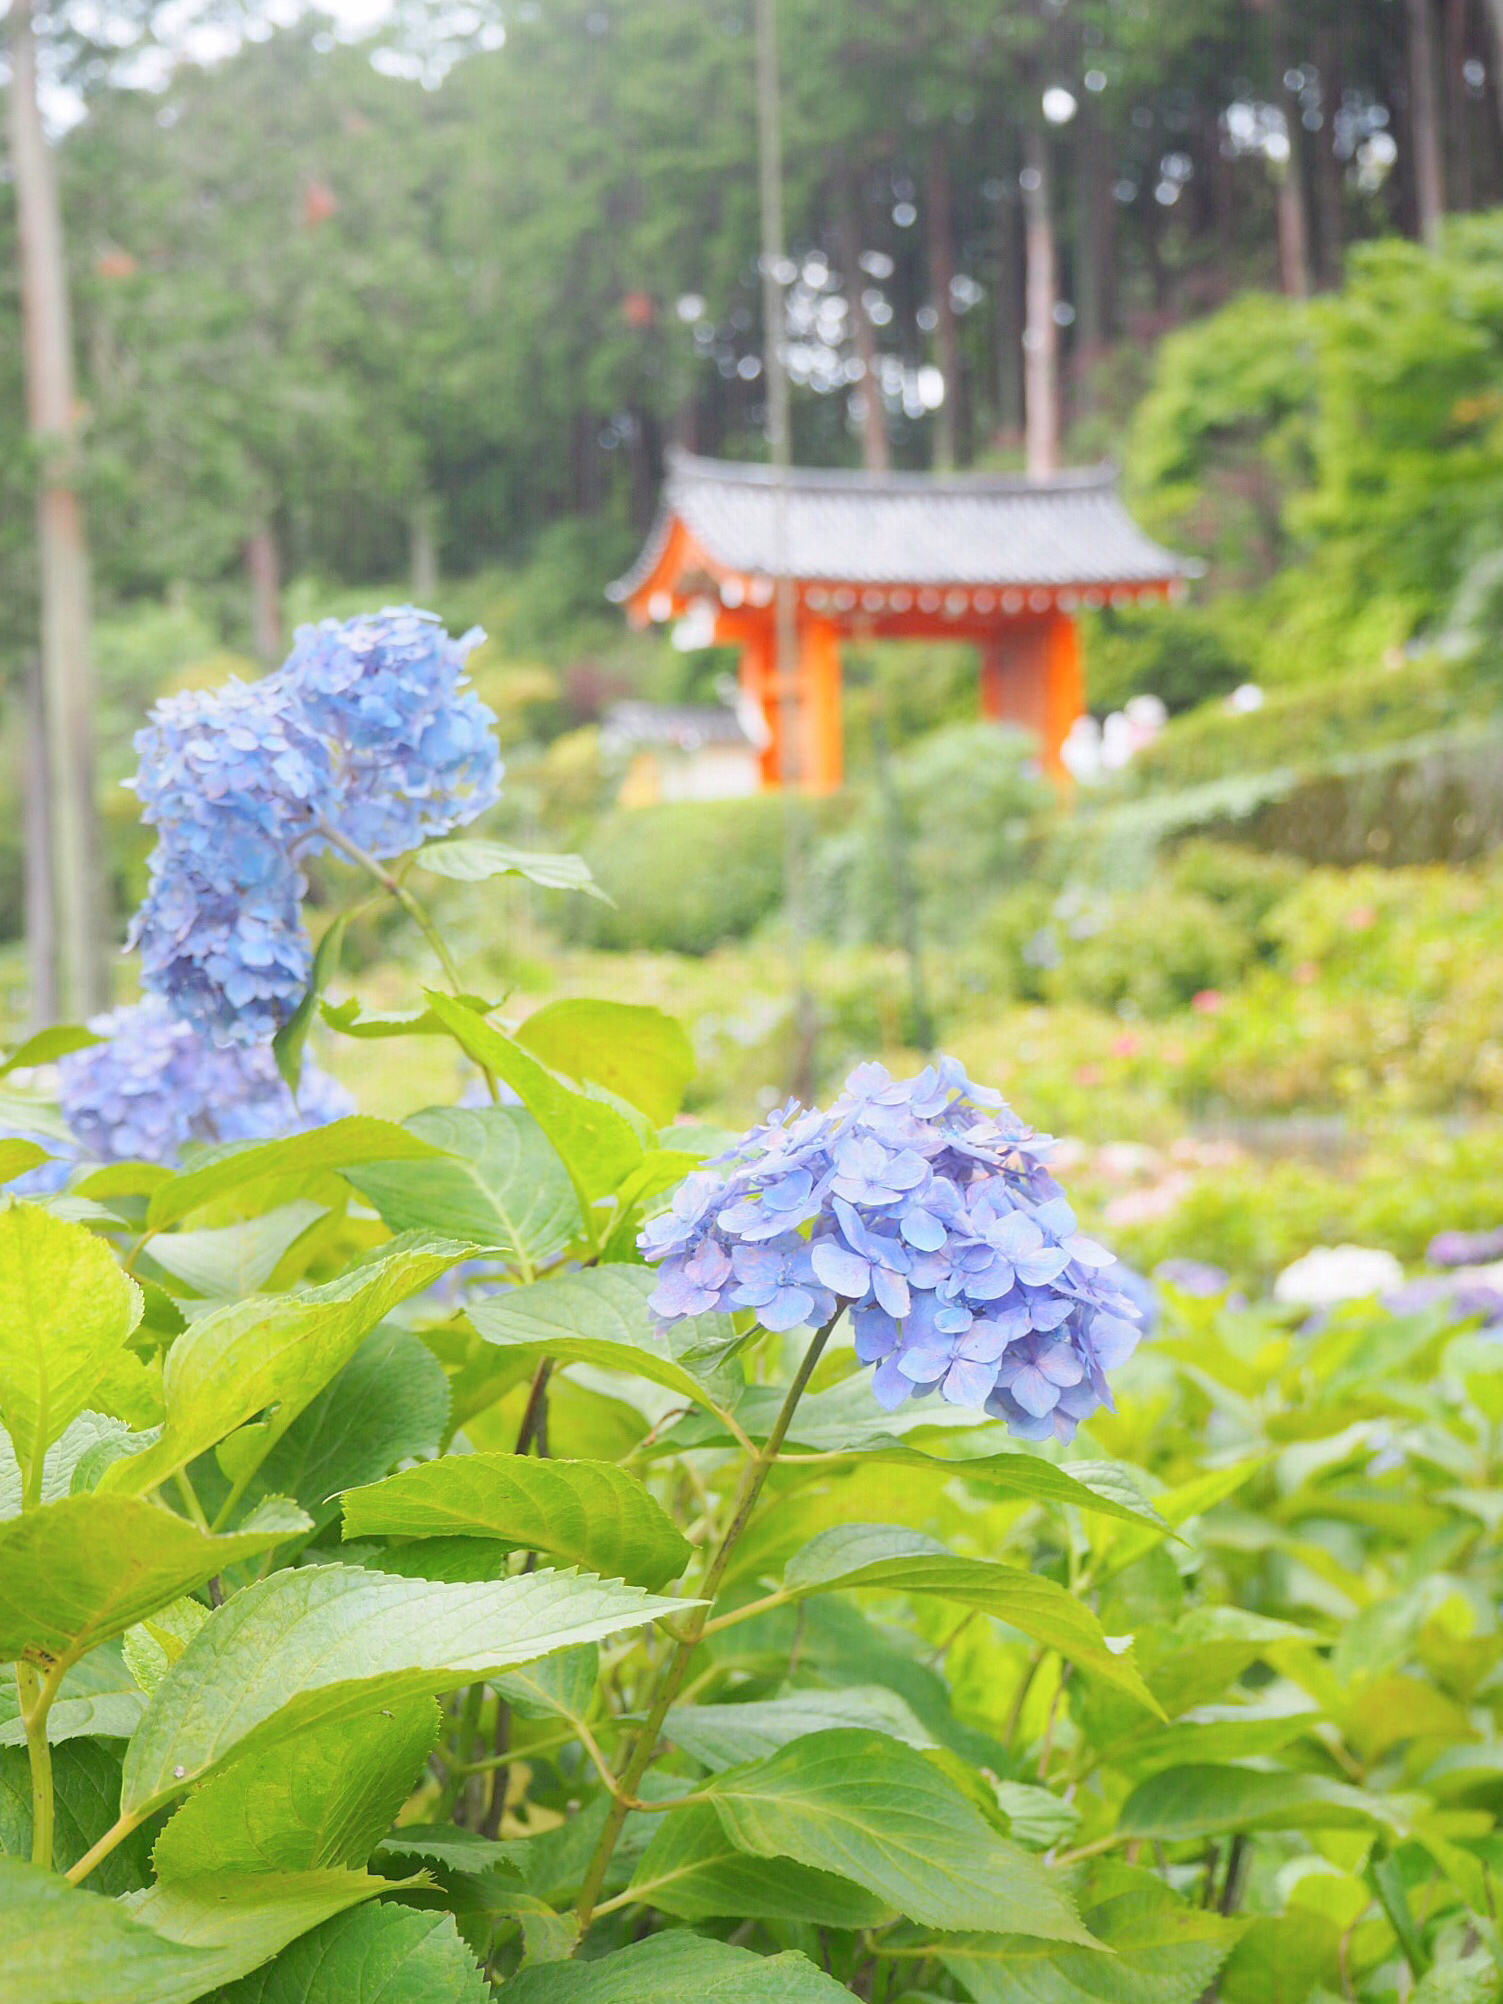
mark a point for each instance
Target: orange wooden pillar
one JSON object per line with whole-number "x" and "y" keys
{"x": 822, "y": 765}
{"x": 760, "y": 684}
{"x": 1064, "y": 690}
{"x": 814, "y": 679}
{"x": 1031, "y": 677}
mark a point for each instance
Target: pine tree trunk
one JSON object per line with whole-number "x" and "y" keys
{"x": 1424, "y": 122}
{"x": 264, "y": 572}
{"x": 62, "y": 546}
{"x": 422, "y": 548}
{"x": 1495, "y": 20}
{"x": 1093, "y": 235}
{"x": 1296, "y": 278}
{"x": 1457, "y": 120}
{"x": 1327, "y": 176}
{"x": 941, "y": 276}
{"x": 876, "y": 455}
{"x": 1009, "y": 320}
{"x": 1041, "y": 330}
{"x": 41, "y": 903}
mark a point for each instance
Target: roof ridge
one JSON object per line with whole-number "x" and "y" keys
{"x": 691, "y": 468}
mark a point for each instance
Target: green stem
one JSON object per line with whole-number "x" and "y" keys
{"x": 394, "y": 887}
{"x": 188, "y": 1497}
{"x": 117, "y": 1833}
{"x": 676, "y": 1669}
{"x": 36, "y": 1701}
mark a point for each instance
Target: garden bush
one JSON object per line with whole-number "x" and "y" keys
{"x": 951, "y": 825}
{"x": 1177, "y": 653}
{"x": 684, "y": 876}
{"x": 1244, "y": 885}
{"x": 1146, "y": 954}
{"x": 1304, "y": 727}
{"x": 494, "y": 1554}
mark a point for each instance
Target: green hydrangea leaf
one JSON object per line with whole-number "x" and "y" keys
{"x": 672, "y": 1968}
{"x": 66, "y": 1311}
{"x": 325, "y": 1643}
{"x": 499, "y": 1184}
{"x": 884, "y": 1816}
{"x": 80, "y": 1570}
{"x": 275, "y": 1350}
{"x": 586, "y": 1513}
{"x": 903, "y": 1561}
{"x": 369, "y": 1955}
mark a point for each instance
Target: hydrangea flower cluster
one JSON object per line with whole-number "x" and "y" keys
{"x": 412, "y": 748}
{"x": 368, "y": 729}
{"x": 924, "y": 1205}
{"x": 156, "y": 1084}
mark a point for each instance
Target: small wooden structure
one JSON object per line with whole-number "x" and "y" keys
{"x": 1005, "y": 563}
{"x": 683, "y": 751}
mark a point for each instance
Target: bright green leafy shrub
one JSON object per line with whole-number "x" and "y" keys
{"x": 684, "y": 876}
{"x": 947, "y": 830}
{"x": 1147, "y": 954}
{"x": 1304, "y": 727}
{"x": 1244, "y": 885}
{"x": 1176, "y": 653}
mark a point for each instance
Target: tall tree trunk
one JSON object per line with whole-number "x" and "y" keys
{"x": 422, "y": 548}
{"x": 1009, "y": 319}
{"x": 1457, "y": 108}
{"x": 645, "y": 464}
{"x": 1093, "y": 235}
{"x": 941, "y": 278}
{"x": 41, "y": 903}
{"x": 1495, "y": 21}
{"x": 1295, "y": 276}
{"x": 876, "y": 455}
{"x": 1424, "y": 122}
{"x": 264, "y": 572}
{"x": 1327, "y": 174}
{"x": 62, "y": 544}
{"x": 1041, "y": 330}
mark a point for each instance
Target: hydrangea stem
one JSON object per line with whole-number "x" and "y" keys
{"x": 754, "y": 1476}
{"x": 395, "y": 888}
{"x": 36, "y": 1701}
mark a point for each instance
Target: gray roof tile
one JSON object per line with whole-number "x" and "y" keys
{"x": 909, "y": 528}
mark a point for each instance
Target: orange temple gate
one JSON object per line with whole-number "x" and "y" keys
{"x": 1001, "y": 562}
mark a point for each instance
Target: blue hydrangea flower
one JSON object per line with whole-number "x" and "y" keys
{"x": 156, "y": 1084}
{"x": 925, "y": 1207}
{"x": 232, "y": 779}
{"x": 369, "y": 729}
{"x": 412, "y": 748}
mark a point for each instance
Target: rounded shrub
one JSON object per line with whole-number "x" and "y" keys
{"x": 683, "y": 876}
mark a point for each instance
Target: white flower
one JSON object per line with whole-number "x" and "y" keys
{"x": 1330, "y": 1274}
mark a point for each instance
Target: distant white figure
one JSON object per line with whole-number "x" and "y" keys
{"x": 1080, "y": 754}
{"x": 1246, "y": 698}
{"x": 1330, "y": 1274}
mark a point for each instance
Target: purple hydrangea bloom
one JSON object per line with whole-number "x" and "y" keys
{"x": 925, "y": 1206}
{"x": 1466, "y": 1248}
{"x": 1196, "y": 1277}
{"x": 156, "y": 1084}
{"x": 368, "y": 729}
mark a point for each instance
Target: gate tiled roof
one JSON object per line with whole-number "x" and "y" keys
{"x": 907, "y": 528}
